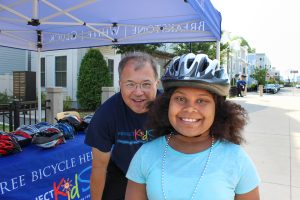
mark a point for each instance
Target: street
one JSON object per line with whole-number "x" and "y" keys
{"x": 273, "y": 141}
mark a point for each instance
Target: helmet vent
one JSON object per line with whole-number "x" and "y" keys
{"x": 190, "y": 62}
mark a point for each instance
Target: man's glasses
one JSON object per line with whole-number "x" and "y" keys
{"x": 143, "y": 86}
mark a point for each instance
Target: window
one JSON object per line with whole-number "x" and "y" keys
{"x": 110, "y": 63}
{"x": 43, "y": 72}
{"x": 61, "y": 71}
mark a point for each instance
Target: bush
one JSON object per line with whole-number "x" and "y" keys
{"x": 93, "y": 75}
{"x": 4, "y": 98}
{"x": 67, "y": 103}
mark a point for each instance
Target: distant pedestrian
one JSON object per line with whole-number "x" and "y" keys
{"x": 240, "y": 87}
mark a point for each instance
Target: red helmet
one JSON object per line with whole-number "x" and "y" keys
{"x": 49, "y": 136}
{"x": 8, "y": 144}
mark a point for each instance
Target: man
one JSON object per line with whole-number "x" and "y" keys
{"x": 116, "y": 130}
{"x": 240, "y": 87}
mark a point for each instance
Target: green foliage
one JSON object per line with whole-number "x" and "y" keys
{"x": 208, "y": 48}
{"x": 259, "y": 75}
{"x": 148, "y": 48}
{"x": 253, "y": 86}
{"x": 196, "y": 47}
{"x": 4, "y": 98}
{"x": 43, "y": 96}
{"x": 93, "y": 75}
{"x": 271, "y": 81}
{"x": 244, "y": 43}
{"x": 281, "y": 82}
{"x": 67, "y": 103}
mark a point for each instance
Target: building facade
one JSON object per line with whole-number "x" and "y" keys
{"x": 60, "y": 68}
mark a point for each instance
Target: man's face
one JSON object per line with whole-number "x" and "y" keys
{"x": 138, "y": 86}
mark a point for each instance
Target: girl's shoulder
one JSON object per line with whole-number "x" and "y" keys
{"x": 155, "y": 144}
{"x": 230, "y": 148}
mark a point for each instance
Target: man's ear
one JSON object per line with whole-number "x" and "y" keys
{"x": 157, "y": 82}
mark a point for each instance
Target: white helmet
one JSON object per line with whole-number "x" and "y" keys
{"x": 198, "y": 71}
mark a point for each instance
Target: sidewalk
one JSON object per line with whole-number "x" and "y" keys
{"x": 273, "y": 142}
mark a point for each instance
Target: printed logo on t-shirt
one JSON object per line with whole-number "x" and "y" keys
{"x": 136, "y": 137}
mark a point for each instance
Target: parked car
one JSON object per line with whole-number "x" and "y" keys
{"x": 270, "y": 88}
{"x": 298, "y": 86}
{"x": 277, "y": 86}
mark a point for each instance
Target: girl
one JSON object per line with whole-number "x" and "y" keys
{"x": 198, "y": 155}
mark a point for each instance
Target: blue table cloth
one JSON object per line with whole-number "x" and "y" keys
{"x": 60, "y": 173}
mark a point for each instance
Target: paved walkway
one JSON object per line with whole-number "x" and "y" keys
{"x": 273, "y": 141}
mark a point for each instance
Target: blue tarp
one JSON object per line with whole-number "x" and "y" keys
{"x": 58, "y": 173}
{"x": 57, "y": 24}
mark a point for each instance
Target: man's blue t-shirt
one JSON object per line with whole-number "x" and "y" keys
{"x": 115, "y": 127}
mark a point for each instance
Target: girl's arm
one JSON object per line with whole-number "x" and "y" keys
{"x": 135, "y": 191}
{"x": 252, "y": 195}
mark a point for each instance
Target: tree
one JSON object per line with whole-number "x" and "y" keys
{"x": 259, "y": 75}
{"x": 93, "y": 75}
{"x": 196, "y": 47}
{"x": 244, "y": 42}
{"x": 148, "y": 48}
{"x": 208, "y": 48}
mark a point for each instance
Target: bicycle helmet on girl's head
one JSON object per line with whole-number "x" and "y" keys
{"x": 198, "y": 71}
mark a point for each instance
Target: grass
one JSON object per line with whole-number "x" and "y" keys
{"x": 6, "y": 127}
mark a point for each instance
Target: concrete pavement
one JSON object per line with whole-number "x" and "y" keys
{"x": 273, "y": 141}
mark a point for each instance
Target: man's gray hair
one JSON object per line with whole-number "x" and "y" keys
{"x": 140, "y": 58}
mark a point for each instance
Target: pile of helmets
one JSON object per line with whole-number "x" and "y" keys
{"x": 47, "y": 135}
{"x": 8, "y": 144}
{"x": 76, "y": 122}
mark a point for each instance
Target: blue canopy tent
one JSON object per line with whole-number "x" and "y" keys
{"x": 44, "y": 25}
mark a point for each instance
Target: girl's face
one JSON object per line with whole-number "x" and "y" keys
{"x": 191, "y": 111}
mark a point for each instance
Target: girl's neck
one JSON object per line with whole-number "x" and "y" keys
{"x": 190, "y": 145}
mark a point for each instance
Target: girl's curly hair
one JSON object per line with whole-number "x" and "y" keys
{"x": 230, "y": 118}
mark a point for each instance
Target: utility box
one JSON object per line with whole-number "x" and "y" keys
{"x": 24, "y": 85}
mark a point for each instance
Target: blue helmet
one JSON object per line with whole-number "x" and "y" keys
{"x": 67, "y": 129}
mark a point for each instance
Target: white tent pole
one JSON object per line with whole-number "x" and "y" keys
{"x": 38, "y": 85}
{"x": 218, "y": 51}
{"x": 35, "y": 15}
{"x": 15, "y": 12}
{"x": 67, "y": 10}
{"x": 35, "y": 9}
{"x": 76, "y": 19}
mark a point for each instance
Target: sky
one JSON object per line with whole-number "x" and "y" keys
{"x": 270, "y": 26}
